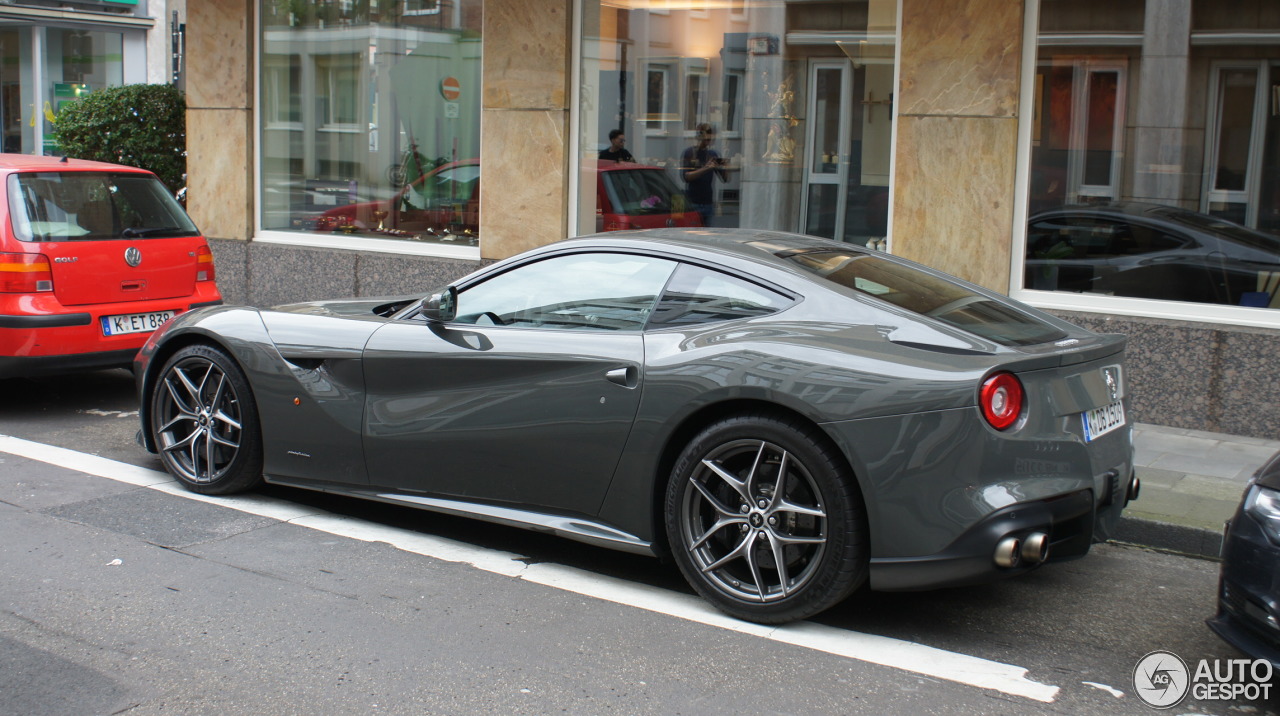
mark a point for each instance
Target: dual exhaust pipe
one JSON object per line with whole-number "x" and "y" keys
{"x": 1033, "y": 549}
{"x": 1016, "y": 551}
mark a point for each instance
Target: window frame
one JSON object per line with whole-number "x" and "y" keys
{"x": 1249, "y": 196}
{"x": 658, "y": 124}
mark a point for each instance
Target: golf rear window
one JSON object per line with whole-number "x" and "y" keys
{"x": 928, "y": 295}
{"x": 88, "y": 206}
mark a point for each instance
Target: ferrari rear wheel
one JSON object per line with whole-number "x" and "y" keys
{"x": 765, "y": 520}
{"x": 205, "y": 422}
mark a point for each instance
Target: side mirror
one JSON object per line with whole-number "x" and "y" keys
{"x": 441, "y": 307}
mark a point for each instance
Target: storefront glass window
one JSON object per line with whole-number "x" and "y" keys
{"x": 17, "y": 103}
{"x": 43, "y": 68}
{"x": 774, "y": 114}
{"x": 371, "y": 119}
{"x": 1155, "y": 151}
{"x": 77, "y": 62}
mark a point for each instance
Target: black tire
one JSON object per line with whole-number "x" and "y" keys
{"x": 205, "y": 422}
{"x": 729, "y": 526}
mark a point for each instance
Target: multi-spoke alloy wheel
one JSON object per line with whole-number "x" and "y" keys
{"x": 764, "y": 520}
{"x": 205, "y": 423}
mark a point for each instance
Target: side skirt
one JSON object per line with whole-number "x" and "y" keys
{"x": 574, "y": 528}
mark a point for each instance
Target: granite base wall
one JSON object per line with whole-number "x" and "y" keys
{"x": 1198, "y": 376}
{"x": 259, "y": 274}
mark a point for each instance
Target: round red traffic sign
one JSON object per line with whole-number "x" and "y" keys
{"x": 450, "y": 89}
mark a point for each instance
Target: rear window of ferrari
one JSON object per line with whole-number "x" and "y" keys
{"x": 88, "y": 206}
{"x": 928, "y": 295}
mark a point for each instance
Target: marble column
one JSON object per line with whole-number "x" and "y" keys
{"x": 1165, "y": 166}
{"x": 220, "y": 46}
{"x": 524, "y": 187}
{"x": 957, "y": 136}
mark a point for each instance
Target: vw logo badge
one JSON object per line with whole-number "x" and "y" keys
{"x": 132, "y": 256}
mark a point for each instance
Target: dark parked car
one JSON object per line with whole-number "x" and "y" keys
{"x": 1249, "y": 590}
{"x": 789, "y": 417}
{"x": 1152, "y": 251}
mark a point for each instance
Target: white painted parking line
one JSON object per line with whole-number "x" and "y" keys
{"x": 884, "y": 651}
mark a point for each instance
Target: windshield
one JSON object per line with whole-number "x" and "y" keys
{"x": 636, "y": 192}
{"x": 927, "y": 295}
{"x": 84, "y": 206}
{"x": 444, "y": 187}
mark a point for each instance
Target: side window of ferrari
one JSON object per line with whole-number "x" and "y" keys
{"x": 701, "y": 295}
{"x": 587, "y": 291}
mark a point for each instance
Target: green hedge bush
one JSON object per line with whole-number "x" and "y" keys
{"x": 138, "y": 125}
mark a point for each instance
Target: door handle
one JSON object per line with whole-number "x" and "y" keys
{"x": 625, "y": 377}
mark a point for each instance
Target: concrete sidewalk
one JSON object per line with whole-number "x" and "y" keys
{"x": 1192, "y": 482}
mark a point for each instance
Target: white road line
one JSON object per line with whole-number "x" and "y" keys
{"x": 894, "y": 653}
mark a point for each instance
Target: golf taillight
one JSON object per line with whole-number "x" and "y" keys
{"x": 204, "y": 264}
{"x": 1001, "y": 400}
{"x": 25, "y": 273}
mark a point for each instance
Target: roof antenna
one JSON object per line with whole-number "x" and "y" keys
{"x": 64, "y": 159}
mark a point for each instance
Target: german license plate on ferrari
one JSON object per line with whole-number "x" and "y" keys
{"x": 1100, "y": 421}
{"x": 134, "y": 322}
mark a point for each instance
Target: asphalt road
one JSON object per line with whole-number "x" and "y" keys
{"x": 121, "y": 598}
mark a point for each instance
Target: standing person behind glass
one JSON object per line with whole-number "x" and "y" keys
{"x": 616, "y": 151}
{"x": 699, "y": 167}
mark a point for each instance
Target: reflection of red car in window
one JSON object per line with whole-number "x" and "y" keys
{"x": 636, "y": 196}
{"x": 444, "y": 204}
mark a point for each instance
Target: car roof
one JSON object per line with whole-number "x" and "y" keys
{"x": 754, "y": 245}
{"x": 31, "y": 162}
{"x": 1117, "y": 208}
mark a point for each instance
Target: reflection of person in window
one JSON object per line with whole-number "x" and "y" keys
{"x": 617, "y": 150}
{"x": 699, "y": 167}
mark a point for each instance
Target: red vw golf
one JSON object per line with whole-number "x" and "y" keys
{"x": 93, "y": 257}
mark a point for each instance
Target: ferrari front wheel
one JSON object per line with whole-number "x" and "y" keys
{"x": 765, "y": 521}
{"x": 205, "y": 422}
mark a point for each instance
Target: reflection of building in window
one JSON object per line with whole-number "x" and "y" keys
{"x": 282, "y": 83}
{"x": 337, "y": 89}
{"x": 1178, "y": 162}
{"x": 359, "y": 101}
{"x": 696, "y": 87}
{"x": 658, "y": 100}
{"x": 730, "y": 103}
{"x": 658, "y": 70}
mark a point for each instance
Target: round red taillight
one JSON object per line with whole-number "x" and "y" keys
{"x": 1001, "y": 400}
